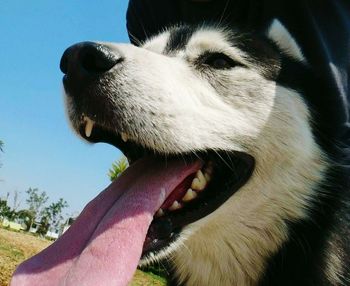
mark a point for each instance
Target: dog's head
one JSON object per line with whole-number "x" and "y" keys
{"x": 215, "y": 94}
{"x": 211, "y": 98}
{"x": 212, "y": 93}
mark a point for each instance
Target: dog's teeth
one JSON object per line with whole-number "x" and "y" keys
{"x": 190, "y": 195}
{"x": 175, "y": 206}
{"x": 160, "y": 213}
{"x": 124, "y": 137}
{"x": 207, "y": 177}
{"x": 200, "y": 176}
{"x": 195, "y": 184}
{"x": 88, "y": 126}
{"x": 199, "y": 182}
{"x": 208, "y": 170}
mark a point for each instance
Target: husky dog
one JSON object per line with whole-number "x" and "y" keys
{"x": 267, "y": 203}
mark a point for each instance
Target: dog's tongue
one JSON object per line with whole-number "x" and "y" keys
{"x": 104, "y": 245}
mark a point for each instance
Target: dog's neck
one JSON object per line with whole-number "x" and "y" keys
{"x": 255, "y": 220}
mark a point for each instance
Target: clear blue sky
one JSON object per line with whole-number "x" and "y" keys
{"x": 40, "y": 149}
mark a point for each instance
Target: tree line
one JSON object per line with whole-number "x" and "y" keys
{"x": 48, "y": 217}
{"x": 38, "y": 211}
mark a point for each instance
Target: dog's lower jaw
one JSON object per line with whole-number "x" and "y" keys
{"x": 231, "y": 246}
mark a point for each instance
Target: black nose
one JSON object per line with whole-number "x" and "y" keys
{"x": 88, "y": 58}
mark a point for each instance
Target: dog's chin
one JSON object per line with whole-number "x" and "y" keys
{"x": 222, "y": 174}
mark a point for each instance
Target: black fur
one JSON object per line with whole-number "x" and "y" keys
{"x": 178, "y": 39}
{"x": 302, "y": 260}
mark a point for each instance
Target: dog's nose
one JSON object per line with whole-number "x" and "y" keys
{"x": 88, "y": 58}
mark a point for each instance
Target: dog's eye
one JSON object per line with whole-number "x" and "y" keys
{"x": 219, "y": 61}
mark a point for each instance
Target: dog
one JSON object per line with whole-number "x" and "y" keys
{"x": 221, "y": 95}
{"x": 262, "y": 200}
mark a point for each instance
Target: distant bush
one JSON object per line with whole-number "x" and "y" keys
{"x": 118, "y": 167}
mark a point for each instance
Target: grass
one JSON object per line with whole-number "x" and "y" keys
{"x": 147, "y": 279}
{"x": 14, "y": 248}
{"x": 17, "y": 246}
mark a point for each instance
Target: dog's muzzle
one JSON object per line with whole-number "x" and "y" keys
{"x": 85, "y": 61}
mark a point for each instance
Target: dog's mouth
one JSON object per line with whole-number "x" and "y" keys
{"x": 221, "y": 174}
{"x": 141, "y": 213}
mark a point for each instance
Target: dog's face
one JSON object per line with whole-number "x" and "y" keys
{"x": 212, "y": 93}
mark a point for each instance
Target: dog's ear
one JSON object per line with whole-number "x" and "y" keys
{"x": 284, "y": 40}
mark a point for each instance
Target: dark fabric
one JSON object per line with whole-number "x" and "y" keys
{"x": 321, "y": 28}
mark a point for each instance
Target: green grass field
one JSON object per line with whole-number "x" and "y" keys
{"x": 16, "y": 247}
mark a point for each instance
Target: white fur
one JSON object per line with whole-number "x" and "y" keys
{"x": 281, "y": 36}
{"x": 157, "y": 44}
{"x": 335, "y": 267}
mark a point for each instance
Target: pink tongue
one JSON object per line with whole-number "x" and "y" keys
{"x": 104, "y": 245}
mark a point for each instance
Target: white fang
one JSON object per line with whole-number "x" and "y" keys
{"x": 89, "y": 126}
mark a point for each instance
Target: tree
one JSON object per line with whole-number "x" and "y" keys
{"x": 5, "y": 210}
{"x": 43, "y": 226}
{"x": 16, "y": 200}
{"x": 52, "y": 217}
{"x": 27, "y": 217}
{"x": 117, "y": 168}
{"x": 36, "y": 202}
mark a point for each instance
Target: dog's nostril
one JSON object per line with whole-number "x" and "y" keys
{"x": 97, "y": 58}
